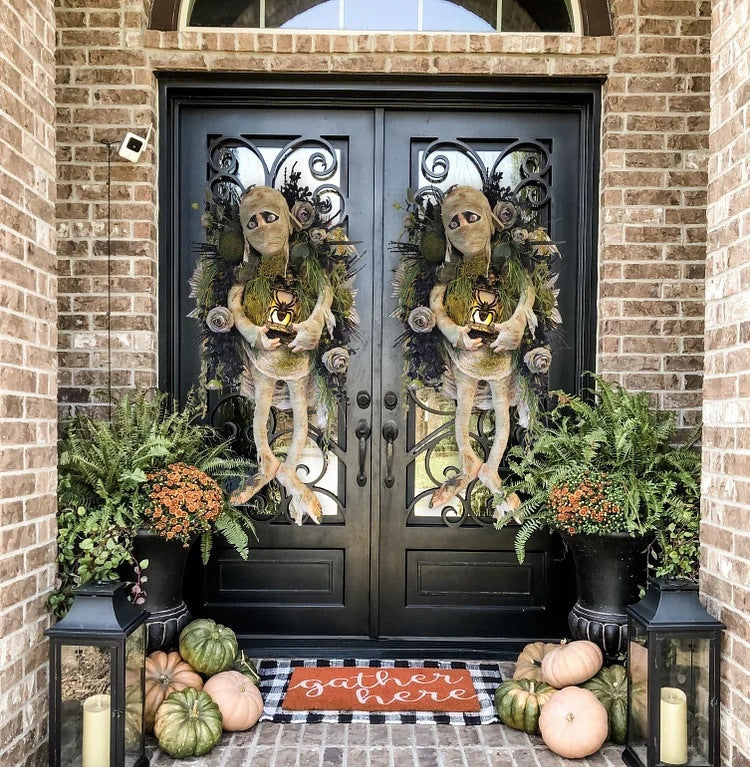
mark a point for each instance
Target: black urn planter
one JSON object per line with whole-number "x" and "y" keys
{"x": 168, "y": 613}
{"x": 610, "y": 569}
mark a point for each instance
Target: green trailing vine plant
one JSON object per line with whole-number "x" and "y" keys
{"x": 103, "y": 488}
{"x": 610, "y": 464}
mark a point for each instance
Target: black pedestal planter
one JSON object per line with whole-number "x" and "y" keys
{"x": 609, "y": 571}
{"x": 168, "y": 613}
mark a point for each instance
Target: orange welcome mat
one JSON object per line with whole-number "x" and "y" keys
{"x": 362, "y": 688}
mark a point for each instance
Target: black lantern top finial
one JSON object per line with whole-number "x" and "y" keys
{"x": 672, "y": 604}
{"x": 102, "y": 608}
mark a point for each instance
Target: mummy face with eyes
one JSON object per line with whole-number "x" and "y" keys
{"x": 265, "y": 219}
{"x": 467, "y": 220}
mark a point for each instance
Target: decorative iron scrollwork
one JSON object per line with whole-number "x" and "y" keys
{"x": 531, "y": 159}
{"x": 469, "y": 510}
{"x": 319, "y": 157}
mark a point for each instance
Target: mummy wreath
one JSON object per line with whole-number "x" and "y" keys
{"x": 478, "y": 302}
{"x": 274, "y": 293}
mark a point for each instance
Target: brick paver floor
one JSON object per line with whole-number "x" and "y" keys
{"x": 385, "y": 745}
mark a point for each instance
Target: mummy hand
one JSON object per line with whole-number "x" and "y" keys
{"x": 307, "y": 335}
{"x": 460, "y": 338}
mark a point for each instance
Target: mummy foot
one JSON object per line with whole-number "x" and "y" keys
{"x": 308, "y": 504}
{"x": 450, "y": 489}
{"x": 267, "y": 471}
{"x": 507, "y": 506}
{"x": 302, "y": 500}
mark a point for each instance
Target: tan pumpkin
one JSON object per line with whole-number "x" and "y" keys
{"x": 238, "y": 699}
{"x": 573, "y": 723}
{"x": 529, "y": 662}
{"x": 165, "y": 674}
{"x": 571, "y": 663}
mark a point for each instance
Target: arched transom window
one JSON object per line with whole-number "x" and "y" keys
{"x": 388, "y": 15}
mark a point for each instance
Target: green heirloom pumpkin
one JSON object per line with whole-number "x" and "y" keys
{"x": 188, "y": 723}
{"x": 610, "y": 685}
{"x": 518, "y": 703}
{"x": 208, "y": 647}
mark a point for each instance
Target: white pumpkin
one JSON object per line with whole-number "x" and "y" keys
{"x": 238, "y": 699}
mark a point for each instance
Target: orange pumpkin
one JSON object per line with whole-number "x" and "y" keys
{"x": 238, "y": 699}
{"x": 165, "y": 674}
{"x": 529, "y": 662}
{"x": 571, "y": 663}
{"x": 573, "y": 723}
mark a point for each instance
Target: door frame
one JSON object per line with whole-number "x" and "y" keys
{"x": 459, "y": 94}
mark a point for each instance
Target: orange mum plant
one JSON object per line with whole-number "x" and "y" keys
{"x": 185, "y": 501}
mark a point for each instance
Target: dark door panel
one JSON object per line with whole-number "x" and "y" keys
{"x": 449, "y": 571}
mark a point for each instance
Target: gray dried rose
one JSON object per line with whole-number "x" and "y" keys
{"x": 318, "y": 235}
{"x": 336, "y": 360}
{"x": 505, "y": 213}
{"x": 520, "y": 235}
{"x": 220, "y": 319}
{"x": 422, "y": 319}
{"x": 303, "y": 213}
{"x": 538, "y": 360}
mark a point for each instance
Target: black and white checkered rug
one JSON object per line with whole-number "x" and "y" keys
{"x": 275, "y": 675}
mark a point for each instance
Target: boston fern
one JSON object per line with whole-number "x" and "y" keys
{"x": 609, "y": 465}
{"x": 103, "y": 487}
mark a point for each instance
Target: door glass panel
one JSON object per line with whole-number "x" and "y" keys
{"x": 437, "y": 166}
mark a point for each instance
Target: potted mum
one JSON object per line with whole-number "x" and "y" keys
{"x": 607, "y": 475}
{"x": 135, "y": 493}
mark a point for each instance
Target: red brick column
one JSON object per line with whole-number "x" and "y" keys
{"x": 725, "y": 532}
{"x": 28, "y": 374}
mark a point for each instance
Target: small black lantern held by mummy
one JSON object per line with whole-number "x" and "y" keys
{"x": 673, "y": 678}
{"x": 485, "y": 312}
{"x": 97, "y": 680}
{"x": 282, "y": 313}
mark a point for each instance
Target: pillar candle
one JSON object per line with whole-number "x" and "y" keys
{"x": 673, "y": 737}
{"x": 96, "y": 724}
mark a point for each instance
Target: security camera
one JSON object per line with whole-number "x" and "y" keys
{"x": 132, "y": 146}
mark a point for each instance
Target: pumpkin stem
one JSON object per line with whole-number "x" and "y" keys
{"x": 570, "y": 717}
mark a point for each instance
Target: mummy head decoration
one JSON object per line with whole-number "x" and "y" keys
{"x": 468, "y": 221}
{"x": 266, "y": 221}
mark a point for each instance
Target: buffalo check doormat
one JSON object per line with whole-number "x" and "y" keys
{"x": 379, "y": 691}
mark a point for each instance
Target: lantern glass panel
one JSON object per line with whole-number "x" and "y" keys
{"x": 135, "y": 659}
{"x": 683, "y": 664}
{"x": 638, "y": 691}
{"x": 85, "y": 690}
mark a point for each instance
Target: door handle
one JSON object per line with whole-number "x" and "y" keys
{"x": 390, "y": 432}
{"x": 362, "y": 432}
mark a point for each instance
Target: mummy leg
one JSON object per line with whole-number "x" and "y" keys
{"x": 302, "y": 500}
{"x": 268, "y": 463}
{"x": 466, "y": 388}
{"x": 488, "y": 473}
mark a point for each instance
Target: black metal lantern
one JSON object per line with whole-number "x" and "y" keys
{"x": 97, "y": 680}
{"x": 674, "y": 648}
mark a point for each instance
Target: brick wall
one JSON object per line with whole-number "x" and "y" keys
{"x": 652, "y": 232}
{"x": 105, "y": 88}
{"x": 28, "y": 381}
{"x": 725, "y": 536}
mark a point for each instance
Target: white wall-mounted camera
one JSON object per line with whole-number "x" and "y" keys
{"x": 132, "y": 145}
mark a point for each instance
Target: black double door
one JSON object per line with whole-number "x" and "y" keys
{"x": 382, "y": 567}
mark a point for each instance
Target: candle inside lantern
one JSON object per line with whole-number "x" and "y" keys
{"x": 96, "y": 724}
{"x": 673, "y": 726}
